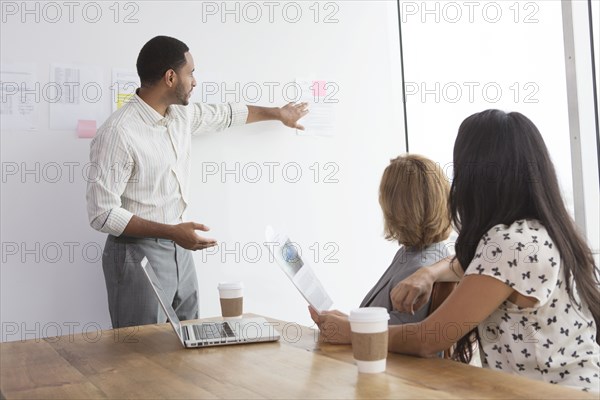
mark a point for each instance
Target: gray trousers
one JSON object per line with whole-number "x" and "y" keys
{"x": 131, "y": 300}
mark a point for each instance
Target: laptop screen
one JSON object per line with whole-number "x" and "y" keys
{"x": 162, "y": 298}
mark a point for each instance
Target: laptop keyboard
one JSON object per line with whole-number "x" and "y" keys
{"x": 213, "y": 331}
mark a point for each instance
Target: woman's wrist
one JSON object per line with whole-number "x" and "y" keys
{"x": 431, "y": 275}
{"x": 455, "y": 272}
{"x": 446, "y": 270}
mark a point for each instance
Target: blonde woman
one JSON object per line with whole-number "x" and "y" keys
{"x": 413, "y": 196}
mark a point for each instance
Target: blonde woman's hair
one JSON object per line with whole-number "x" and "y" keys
{"x": 413, "y": 195}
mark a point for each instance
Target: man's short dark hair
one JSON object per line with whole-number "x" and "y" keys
{"x": 158, "y": 55}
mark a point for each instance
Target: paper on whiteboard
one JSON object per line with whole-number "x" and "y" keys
{"x": 75, "y": 93}
{"x": 18, "y": 91}
{"x": 124, "y": 84}
{"x": 321, "y": 97}
{"x": 301, "y": 274}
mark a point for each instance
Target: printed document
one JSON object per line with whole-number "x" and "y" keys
{"x": 302, "y": 276}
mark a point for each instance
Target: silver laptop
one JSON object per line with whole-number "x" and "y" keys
{"x": 238, "y": 331}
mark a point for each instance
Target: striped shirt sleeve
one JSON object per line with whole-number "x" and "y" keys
{"x": 112, "y": 163}
{"x": 216, "y": 117}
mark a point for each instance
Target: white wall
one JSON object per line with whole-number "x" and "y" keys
{"x": 47, "y": 291}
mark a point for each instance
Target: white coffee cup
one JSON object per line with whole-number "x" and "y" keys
{"x": 231, "y": 295}
{"x": 369, "y": 330}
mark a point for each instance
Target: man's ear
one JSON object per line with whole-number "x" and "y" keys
{"x": 170, "y": 77}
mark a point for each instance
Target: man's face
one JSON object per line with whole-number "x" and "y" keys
{"x": 185, "y": 81}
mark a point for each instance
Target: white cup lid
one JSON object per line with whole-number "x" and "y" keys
{"x": 230, "y": 285}
{"x": 369, "y": 314}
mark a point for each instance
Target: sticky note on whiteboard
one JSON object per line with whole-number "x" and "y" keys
{"x": 86, "y": 128}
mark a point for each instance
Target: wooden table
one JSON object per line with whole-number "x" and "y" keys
{"x": 149, "y": 362}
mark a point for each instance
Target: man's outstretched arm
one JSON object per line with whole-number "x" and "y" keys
{"x": 288, "y": 114}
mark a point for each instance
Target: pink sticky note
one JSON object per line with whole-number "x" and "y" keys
{"x": 86, "y": 128}
{"x": 318, "y": 88}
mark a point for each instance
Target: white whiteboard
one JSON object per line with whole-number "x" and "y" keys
{"x": 51, "y": 276}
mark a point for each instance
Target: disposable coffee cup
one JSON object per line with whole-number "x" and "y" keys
{"x": 369, "y": 331}
{"x": 231, "y": 295}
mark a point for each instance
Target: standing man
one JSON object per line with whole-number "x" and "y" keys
{"x": 142, "y": 155}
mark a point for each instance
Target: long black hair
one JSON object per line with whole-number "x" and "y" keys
{"x": 503, "y": 173}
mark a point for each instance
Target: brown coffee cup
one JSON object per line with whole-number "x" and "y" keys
{"x": 369, "y": 330}
{"x": 231, "y": 295}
